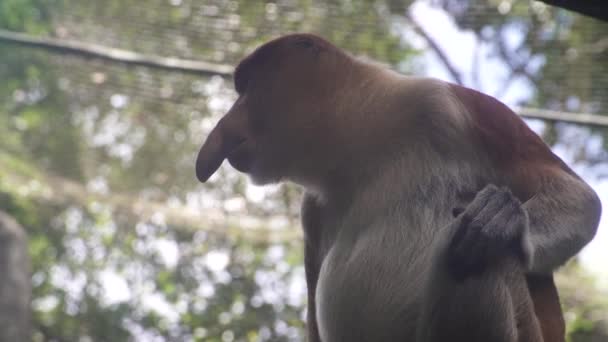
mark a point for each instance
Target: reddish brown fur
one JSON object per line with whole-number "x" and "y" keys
{"x": 547, "y": 307}
{"x": 526, "y": 160}
{"x": 271, "y": 52}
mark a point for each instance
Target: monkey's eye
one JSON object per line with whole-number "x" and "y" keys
{"x": 255, "y": 111}
{"x": 304, "y": 42}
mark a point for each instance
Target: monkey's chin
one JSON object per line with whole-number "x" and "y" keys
{"x": 247, "y": 167}
{"x": 256, "y": 180}
{"x": 260, "y": 176}
{"x": 261, "y": 179}
{"x": 239, "y": 165}
{"x": 240, "y": 160}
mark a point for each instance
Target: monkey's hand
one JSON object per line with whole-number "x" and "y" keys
{"x": 494, "y": 225}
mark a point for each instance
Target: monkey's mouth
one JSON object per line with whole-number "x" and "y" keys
{"x": 240, "y": 157}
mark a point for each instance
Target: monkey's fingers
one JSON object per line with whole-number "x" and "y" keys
{"x": 467, "y": 251}
{"x": 480, "y": 201}
{"x": 496, "y": 200}
{"x": 507, "y": 224}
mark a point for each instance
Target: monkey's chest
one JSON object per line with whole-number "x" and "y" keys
{"x": 368, "y": 289}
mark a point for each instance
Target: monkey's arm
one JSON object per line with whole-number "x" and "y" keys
{"x": 311, "y": 222}
{"x": 564, "y": 213}
{"x": 563, "y": 210}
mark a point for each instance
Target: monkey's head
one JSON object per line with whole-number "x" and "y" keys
{"x": 281, "y": 125}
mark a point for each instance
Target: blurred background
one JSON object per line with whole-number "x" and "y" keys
{"x": 104, "y": 104}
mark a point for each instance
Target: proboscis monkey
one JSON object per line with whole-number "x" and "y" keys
{"x": 431, "y": 211}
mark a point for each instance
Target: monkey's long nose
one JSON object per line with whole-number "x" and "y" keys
{"x": 211, "y": 155}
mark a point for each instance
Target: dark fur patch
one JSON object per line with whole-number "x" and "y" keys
{"x": 265, "y": 53}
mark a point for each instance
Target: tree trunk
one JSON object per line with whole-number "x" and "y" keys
{"x": 15, "y": 287}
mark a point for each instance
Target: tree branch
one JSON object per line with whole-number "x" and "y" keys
{"x": 596, "y": 120}
{"x": 435, "y": 47}
{"x": 517, "y": 67}
{"x": 15, "y": 287}
{"x": 116, "y": 55}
